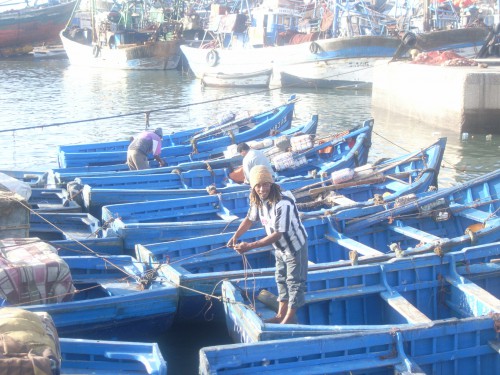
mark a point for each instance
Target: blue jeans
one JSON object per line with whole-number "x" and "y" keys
{"x": 291, "y": 276}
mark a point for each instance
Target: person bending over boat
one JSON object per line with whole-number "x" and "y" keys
{"x": 280, "y": 217}
{"x": 251, "y": 158}
{"x": 143, "y": 144}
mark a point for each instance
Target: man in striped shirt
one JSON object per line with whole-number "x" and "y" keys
{"x": 280, "y": 217}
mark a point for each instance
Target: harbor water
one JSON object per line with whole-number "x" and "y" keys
{"x": 48, "y": 103}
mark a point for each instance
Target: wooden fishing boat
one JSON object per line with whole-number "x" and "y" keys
{"x": 49, "y": 52}
{"x": 338, "y": 151}
{"x": 150, "y": 219}
{"x": 200, "y": 160}
{"x": 201, "y": 263}
{"x": 259, "y": 78}
{"x": 52, "y": 200}
{"x": 58, "y": 226}
{"x": 110, "y": 297}
{"x": 21, "y": 29}
{"x": 186, "y": 142}
{"x": 393, "y": 295}
{"x": 101, "y": 357}
{"x": 124, "y": 36}
{"x": 454, "y": 346}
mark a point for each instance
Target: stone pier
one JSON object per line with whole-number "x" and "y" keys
{"x": 465, "y": 99}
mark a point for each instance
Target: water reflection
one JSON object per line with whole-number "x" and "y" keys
{"x": 35, "y": 93}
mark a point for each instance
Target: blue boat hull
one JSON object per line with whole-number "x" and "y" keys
{"x": 388, "y": 296}
{"x": 189, "y": 142}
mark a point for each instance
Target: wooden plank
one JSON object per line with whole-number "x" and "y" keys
{"x": 351, "y": 244}
{"x": 405, "y": 308}
{"x": 469, "y": 213}
{"x": 341, "y": 200}
{"x": 414, "y": 233}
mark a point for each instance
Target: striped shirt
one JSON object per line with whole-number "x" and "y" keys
{"x": 281, "y": 217}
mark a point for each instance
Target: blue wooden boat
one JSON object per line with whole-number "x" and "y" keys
{"x": 193, "y": 161}
{"x": 52, "y": 200}
{"x": 59, "y": 226}
{"x": 185, "y": 142}
{"x": 343, "y": 154}
{"x": 100, "y": 357}
{"x": 453, "y": 346}
{"x": 398, "y": 294}
{"x": 416, "y": 173}
{"x": 201, "y": 263}
{"x": 91, "y": 246}
{"x": 116, "y": 297}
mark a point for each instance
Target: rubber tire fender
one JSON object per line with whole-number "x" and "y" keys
{"x": 96, "y": 51}
{"x": 409, "y": 39}
{"x": 212, "y": 58}
{"x": 314, "y": 47}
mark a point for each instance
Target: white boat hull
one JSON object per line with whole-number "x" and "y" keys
{"x": 162, "y": 55}
{"x": 255, "y": 79}
{"x": 336, "y": 61}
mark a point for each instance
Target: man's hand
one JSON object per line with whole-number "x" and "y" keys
{"x": 243, "y": 247}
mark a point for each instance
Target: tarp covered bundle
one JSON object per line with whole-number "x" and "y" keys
{"x": 29, "y": 342}
{"x": 31, "y": 272}
{"x": 14, "y": 215}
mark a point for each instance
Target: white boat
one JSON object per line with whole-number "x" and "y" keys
{"x": 131, "y": 36}
{"x": 252, "y": 79}
{"x": 48, "y": 52}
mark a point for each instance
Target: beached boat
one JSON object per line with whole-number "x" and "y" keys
{"x": 393, "y": 295}
{"x": 201, "y": 263}
{"x": 101, "y": 357}
{"x": 128, "y": 36}
{"x": 110, "y": 297}
{"x": 21, "y": 29}
{"x": 454, "y": 346}
{"x": 186, "y": 142}
{"x": 231, "y": 159}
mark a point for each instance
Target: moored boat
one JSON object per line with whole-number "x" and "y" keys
{"x": 96, "y": 296}
{"x": 426, "y": 349}
{"x": 201, "y": 263}
{"x": 128, "y": 36}
{"x": 186, "y": 142}
{"x": 81, "y": 356}
{"x": 22, "y": 29}
{"x": 399, "y": 294}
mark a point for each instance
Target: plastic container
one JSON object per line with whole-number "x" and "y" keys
{"x": 343, "y": 175}
{"x": 301, "y": 142}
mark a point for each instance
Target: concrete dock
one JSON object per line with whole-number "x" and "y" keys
{"x": 465, "y": 99}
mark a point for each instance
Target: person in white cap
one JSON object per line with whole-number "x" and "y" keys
{"x": 284, "y": 230}
{"x": 144, "y": 144}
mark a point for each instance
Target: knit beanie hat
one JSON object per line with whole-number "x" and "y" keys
{"x": 260, "y": 174}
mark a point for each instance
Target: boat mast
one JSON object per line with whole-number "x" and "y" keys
{"x": 427, "y": 16}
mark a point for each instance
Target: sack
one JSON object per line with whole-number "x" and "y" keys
{"x": 30, "y": 343}
{"x": 31, "y": 272}
{"x": 237, "y": 175}
{"x": 342, "y": 175}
